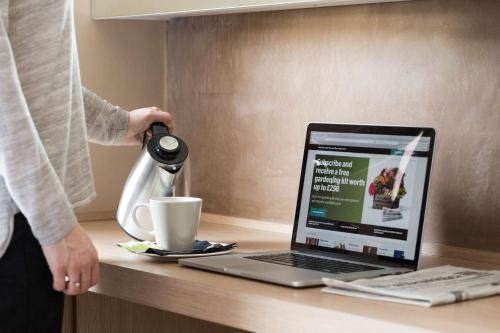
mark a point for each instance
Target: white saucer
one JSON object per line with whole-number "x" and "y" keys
{"x": 175, "y": 257}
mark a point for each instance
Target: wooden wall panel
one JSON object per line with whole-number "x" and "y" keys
{"x": 243, "y": 88}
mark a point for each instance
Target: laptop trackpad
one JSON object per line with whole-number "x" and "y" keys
{"x": 259, "y": 268}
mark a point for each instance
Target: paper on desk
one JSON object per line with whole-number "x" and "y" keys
{"x": 427, "y": 287}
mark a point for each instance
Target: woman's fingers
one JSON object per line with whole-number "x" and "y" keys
{"x": 56, "y": 261}
{"x": 73, "y": 284}
{"x": 58, "y": 275}
{"x": 78, "y": 283}
{"x": 86, "y": 278}
{"x": 157, "y": 115}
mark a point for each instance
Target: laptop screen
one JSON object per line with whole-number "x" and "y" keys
{"x": 363, "y": 190}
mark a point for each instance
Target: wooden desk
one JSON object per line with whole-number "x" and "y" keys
{"x": 256, "y": 306}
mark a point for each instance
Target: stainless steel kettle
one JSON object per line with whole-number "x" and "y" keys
{"x": 162, "y": 170}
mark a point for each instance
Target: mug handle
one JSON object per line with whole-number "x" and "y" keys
{"x": 136, "y": 221}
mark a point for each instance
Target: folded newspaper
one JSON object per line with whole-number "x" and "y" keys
{"x": 426, "y": 287}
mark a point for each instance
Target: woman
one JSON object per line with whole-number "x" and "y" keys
{"x": 46, "y": 118}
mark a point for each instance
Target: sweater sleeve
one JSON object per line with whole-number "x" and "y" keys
{"x": 25, "y": 167}
{"x": 106, "y": 123}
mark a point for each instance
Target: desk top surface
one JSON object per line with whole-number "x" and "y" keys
{"x": 258, "y": 306}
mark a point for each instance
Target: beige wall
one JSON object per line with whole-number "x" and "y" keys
{"x": 243, "y": 87}
{"x": 122, "y": 61}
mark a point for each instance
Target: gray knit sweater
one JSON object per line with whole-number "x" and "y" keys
{"x": 45, "y": 118}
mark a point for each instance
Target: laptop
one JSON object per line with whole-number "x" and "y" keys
{"x": 360, "y": 208}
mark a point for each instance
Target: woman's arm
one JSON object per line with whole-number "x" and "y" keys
{"x": 107, "y": 124}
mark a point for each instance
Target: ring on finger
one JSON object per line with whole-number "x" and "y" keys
{"x": 76, "y": 283}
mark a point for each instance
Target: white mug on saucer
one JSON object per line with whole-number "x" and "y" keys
{"x": 175, "y": 221}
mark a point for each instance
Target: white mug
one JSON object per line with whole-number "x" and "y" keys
{"x": 175, "y": 221}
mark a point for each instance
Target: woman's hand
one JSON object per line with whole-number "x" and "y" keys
{"x": 73, "y": 262}
{"x": 140, "y": 120}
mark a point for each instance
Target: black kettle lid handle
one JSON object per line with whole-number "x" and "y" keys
{"x": 156, "y": 128}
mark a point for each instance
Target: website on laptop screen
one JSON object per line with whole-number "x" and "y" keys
{"x": 363, "y": 192}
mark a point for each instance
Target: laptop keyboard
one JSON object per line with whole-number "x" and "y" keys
{"x": 313, "y": 263}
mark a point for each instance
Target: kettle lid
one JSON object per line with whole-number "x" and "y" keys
{"x": 166, "y": 148}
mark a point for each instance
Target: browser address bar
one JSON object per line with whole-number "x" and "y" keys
{"x": 369, "y": 141}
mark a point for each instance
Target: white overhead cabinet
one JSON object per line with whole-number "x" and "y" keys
{"x": 165, "y": 9}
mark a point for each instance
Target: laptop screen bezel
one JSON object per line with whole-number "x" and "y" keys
{"x": 365, "y": 129}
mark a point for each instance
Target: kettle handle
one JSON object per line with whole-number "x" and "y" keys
{"x": 156, "y": 128}
{"x": 136, "y": 221}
